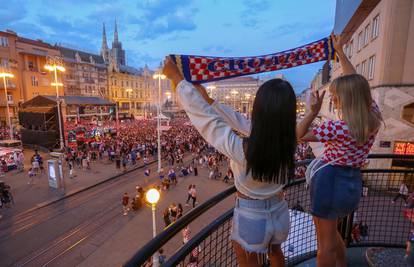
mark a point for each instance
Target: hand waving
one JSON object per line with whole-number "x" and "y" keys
{"x": 316, "y": 101}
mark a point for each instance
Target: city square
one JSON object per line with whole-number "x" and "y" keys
{"x": 146, "y": 134}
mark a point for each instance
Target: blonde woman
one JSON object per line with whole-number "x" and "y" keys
{"x": 336, "y": 188}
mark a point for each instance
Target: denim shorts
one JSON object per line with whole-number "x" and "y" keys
{"x": 335, "y": 191}
{"x": 260, "y": 223}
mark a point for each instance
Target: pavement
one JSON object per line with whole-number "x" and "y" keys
{"x": 31, "y": 196}
{"x": 88, "y": 229}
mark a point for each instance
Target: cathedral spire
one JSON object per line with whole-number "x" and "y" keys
{"x": 104, "y": 46}
{"x": 116, "y": 33}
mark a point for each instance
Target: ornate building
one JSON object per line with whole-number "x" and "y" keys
{"x": 238, "y": 92}
{"x": 130, "y": 88}
{"x": 86, "y": 74}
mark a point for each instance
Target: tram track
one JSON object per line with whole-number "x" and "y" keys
{"x": 27, "y": 220}
{"x": 89, "y": 232}
{"x": 67, "y": 242}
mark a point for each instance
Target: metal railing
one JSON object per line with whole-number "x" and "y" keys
{"x": 212, "y": 246}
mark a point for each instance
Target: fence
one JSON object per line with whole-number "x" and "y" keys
{"x": 386, "y": 225}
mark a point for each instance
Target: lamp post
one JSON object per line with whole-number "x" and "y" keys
{"x": 247, "y": 96}
{"x": 55, "y": 64}
{"x": 152, "y": 197}
{"x": 129, "y": 92}
{"x": 4, "y": 74}
{"x": 211, "y": 88}
{"x": 160, "y": 77}
{"x": 234, "y": 93}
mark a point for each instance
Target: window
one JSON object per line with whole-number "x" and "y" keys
{"x": 9, "y": 98}
{"x": 122, "y": 83}
{"x": 30, "y": 65}
{"x": 127, "y": 83}
{"x": 371, "y": 67}
{"x": 358, "y": 69}
{"x": 364, "y": 68}
{"x": 375, "y": 27}
{"x": 360, "y": 40}
{"x": 366, "y": 35}
{"x": 4, "y": 41}
{"x": 4, "y": 62}
{"x": 350, "y": 48}
{"x": 34, "y": 80}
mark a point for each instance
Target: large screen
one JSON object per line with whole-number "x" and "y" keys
{"x": 345, "y": 9}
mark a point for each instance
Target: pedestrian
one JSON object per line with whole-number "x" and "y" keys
{"x": 363, "y": 229}
{"x": 347, "y": 142}
{"x": 188, "y": 194}
{"x": 180, "y": 210}
{"x": 71, "y": 169}
{"x": 402, "y": 193}
{"x": 161, "y": 257}
{"x": 409, "y": 254}
{"x": 166, "y": 217}
{"x": 173, "y": 211}
{"x": 31, "y": 175}
{"x": 194, "y": 195}
{"x": 125, "y": 203}
{"x": 195, "y": 170}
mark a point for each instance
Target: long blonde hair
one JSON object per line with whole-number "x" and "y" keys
{"x": 355, "y": 106}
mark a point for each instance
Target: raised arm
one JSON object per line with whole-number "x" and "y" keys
{"x": 233, "y": 118}
{"x": 347, "y": 66}
{"x": 207, "y": 121}
{"x": 302, "y": 129}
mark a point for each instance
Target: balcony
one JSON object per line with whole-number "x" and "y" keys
{"x": 387, "y": 226}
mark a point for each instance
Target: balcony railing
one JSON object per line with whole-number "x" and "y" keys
{"x": 386, "y": 225}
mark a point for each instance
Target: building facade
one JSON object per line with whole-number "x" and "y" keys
{"x": 380, "y": 37}
{"x": 86, "y": 74}
{"x": 25, "y": 58}
{"x": 9, "y": 63}
{"x": 237, "y": 92}
{"x": 132, "y": 90}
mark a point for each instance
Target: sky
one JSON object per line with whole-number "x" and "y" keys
{"x": 151, "y": 29}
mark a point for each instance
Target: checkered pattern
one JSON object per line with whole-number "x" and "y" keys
{"x": 339, "y": 143}
{"x": 197, "y": 69}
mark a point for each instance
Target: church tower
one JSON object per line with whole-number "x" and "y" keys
{"x": 117, "y": 53}
{"x": 104, "y": 47}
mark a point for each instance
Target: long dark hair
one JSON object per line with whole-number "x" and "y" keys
{"x": 271, "y": 146}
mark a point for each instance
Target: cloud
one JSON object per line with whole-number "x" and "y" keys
{"x": 155, "y": 9}
{"x": 162, "y": 17}
{"x": 250, "y": 15}
{"x": 218, "y": 50}
{"x": 136, "y": 58}
{"x": 12, "y": 11}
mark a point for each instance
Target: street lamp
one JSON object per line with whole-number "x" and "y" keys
{"x": 129, "y": 92}
{"x": 153, "y": 196}
{"x": 247, "y": 96}
{"x": 160, "y": 77}
{"x": 211, "y": 88}
{"x": 234, "y": 93}
{"x": 55, "y": 64}
{"x": 4, "y": 74}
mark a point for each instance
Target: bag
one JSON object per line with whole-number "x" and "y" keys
{"x": 313, "y": 168}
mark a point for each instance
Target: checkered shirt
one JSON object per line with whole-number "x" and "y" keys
{"x": 338, "y": 142}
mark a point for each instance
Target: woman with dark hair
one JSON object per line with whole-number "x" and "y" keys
{"x": 262, "y": 162}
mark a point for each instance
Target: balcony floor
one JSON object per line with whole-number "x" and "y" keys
{"x": 355, "y": 256}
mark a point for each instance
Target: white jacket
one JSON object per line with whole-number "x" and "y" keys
{"x": 215, "y": 124}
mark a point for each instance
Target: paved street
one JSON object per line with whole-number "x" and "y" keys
{"x": 88, "y": 228}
